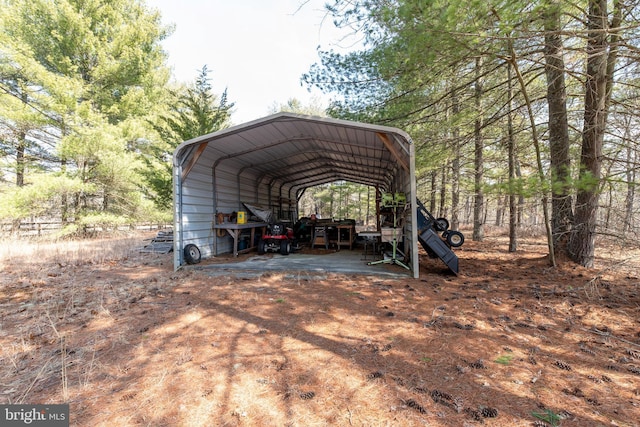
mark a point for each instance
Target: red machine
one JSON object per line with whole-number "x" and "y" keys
{"x": 278, "y": 238}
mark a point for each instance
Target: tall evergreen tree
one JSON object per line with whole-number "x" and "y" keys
{"x": 196, "y": 111}
{"x": 90, "y": 71}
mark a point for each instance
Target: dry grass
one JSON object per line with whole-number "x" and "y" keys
{"x": 126, "y": 341}
{"x": 44, "y": 252}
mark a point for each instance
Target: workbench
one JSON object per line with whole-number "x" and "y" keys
{"x": 321, "y": 235}
{"x": 235, "y": 229}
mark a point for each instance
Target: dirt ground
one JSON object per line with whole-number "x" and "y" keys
{"x": 510, "y": 341}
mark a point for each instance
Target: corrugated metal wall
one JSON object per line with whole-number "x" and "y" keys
{"x": 196, "y": 209}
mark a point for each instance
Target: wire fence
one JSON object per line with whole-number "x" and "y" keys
{"x": 40, "y": 229}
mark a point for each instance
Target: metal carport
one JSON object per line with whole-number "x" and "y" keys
{"x": 271, "y": 161}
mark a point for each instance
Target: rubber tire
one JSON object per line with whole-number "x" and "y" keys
{"x": 455, "y": 239}
{"x": 192, "y": 254}
{"x": 285, "y": 247}
{"x": 261, "y": 245}
{"x": 442, "y": 224}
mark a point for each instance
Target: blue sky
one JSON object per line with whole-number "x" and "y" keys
{"x": 256, "y": 49}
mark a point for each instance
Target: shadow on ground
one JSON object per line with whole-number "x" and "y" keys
{"x": 314, "y": 263}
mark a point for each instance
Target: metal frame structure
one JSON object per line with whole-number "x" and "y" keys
{"x": 271, "y": 162}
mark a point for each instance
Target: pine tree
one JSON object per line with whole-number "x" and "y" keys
{"x": 86, "y": 73}
{"x": 196, "y": 111}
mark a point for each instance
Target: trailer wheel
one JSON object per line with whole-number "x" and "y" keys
{"x": 442, "y": 224}
{"x": 261, "y": 245}
{"x": 285, "y": 247}
{"x": 455, "y": 239}
{"x": 192, "y": 254}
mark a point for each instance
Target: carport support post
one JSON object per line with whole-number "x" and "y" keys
{"x": 415, "y": 259}
{"x": 177, "y": 217}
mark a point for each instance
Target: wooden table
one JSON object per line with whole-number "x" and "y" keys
{"x": 351, "y": 229}
{"x": 321, "y": 235}
{"x": 234, "y": 230}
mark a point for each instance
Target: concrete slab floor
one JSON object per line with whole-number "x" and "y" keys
{"x": 351, "y": 262}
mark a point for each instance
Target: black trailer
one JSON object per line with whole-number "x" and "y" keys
{"x": 438, "y": 246}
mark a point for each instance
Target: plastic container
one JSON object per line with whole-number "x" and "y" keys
{"x": 242, "y": 217}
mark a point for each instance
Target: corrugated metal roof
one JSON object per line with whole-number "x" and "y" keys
{"x": 298, "y": 151}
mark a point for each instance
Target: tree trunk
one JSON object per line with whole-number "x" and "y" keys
{"x": 536, "y": 144}
{"x": 499, "y": 211}
{"x": 433, "y": 192}
{"x": 609, "y": 207}
{"x": 20, "y": 159}
{"x": 359, "y": 205}
{"x": 443, "y": 191}
{"x": 105, "y": 200}
{"x": 520, "y": 213}
{"x": 455, "y": 166}
{"x": 582, "y": 241}
{"x": 331, "y": 193}
{"x": 561, "y": 209}
{"x": 631, "y": 190}
{"x": 511, "y": 149}
{"x": 368, "y": 214}
{"x": 478, "y": 209}
{"x": 64, "y": 202}
{"x": 455, "y": 189}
